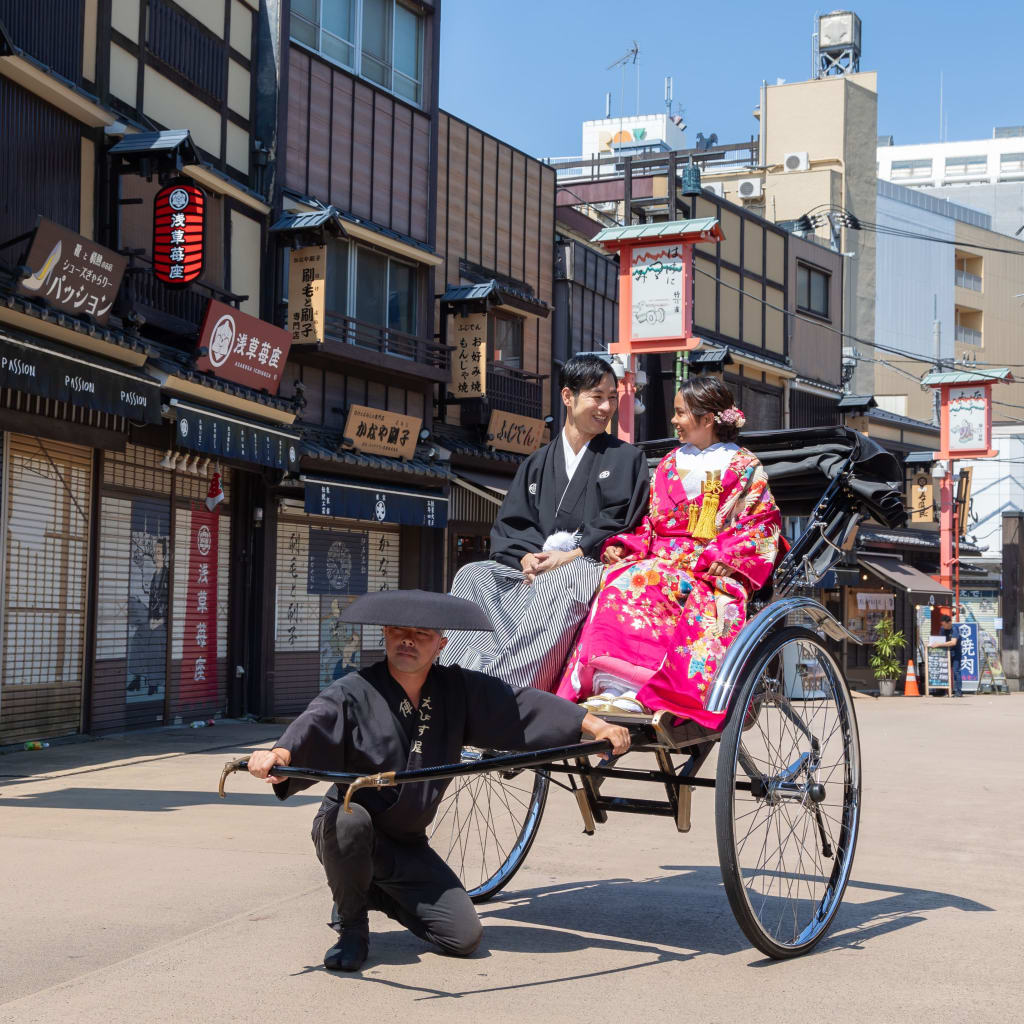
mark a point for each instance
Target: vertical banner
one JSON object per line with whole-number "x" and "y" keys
{"x": 970, "y": 660}
{"x": 469, "y": 360}
{"x": 922, "y": 504}
{"x": 199, "y": 648}
{"x": 307, "y": 277}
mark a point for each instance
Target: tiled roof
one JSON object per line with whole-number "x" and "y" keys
{"x": 326, "y": 446}
{"x": 462, "y": 441}
{"x": 657, "y": 230}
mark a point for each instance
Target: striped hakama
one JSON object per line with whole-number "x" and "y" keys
{"x": 535, "y": 624}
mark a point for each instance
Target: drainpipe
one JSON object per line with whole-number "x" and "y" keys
{"x": 786, "y": 389}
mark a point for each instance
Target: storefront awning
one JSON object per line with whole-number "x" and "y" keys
{"x": 494, "y": 293}
{"x": 44, "y": 368}
{"x": 215, "y": 433}
{"x": 358, "y": 499}
{"x": 901, "y": 576}
{"x": 489, "y": 486}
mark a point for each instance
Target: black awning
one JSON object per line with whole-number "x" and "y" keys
{"x": 176, "y": 140}
{"x": 360, "y": 499}
{"x": 493, "y": 293}
{"x": 44, "y": 368}
{"x": 217, "y": 433}
{"x": 897, "y": 574}
{"x": 296, "y": 222}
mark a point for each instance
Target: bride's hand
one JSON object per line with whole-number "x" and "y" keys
{"x": 613, "y": 553}
{"x": 719, "y": 569}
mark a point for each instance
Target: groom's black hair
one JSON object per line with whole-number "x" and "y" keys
{"x": 583, "y": 371}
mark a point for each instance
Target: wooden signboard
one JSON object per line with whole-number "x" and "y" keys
{"x": 511, "y": 433}
{"x": 237, "y": 347}
{"x": 382, "y": 433}
{"x": 922, "y": 502}
{"x": 469, "y": 360}
{"x": 307, "y": 277}
{"x": 937, "y": 673}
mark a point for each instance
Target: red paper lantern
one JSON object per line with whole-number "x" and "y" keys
{"x": 178, "y": 227}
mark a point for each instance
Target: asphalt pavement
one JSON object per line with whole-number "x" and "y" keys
{"x": 133, "y": 893}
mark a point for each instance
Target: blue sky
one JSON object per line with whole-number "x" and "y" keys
{"x": 530, "y": 71}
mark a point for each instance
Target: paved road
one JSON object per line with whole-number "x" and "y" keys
{"x": 133, "y": 894}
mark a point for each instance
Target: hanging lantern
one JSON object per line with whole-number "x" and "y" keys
{"x": 179, "y": 212}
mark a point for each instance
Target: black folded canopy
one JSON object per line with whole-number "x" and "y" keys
{"x": 801, "y": 463}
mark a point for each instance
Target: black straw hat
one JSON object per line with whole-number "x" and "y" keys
{"x": 417, "y": 609}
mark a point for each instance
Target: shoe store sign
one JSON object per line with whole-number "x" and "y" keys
{"x": 72, "y": 273}
{"x": 242, "y": 349}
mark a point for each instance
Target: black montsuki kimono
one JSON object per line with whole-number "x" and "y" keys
{"x": 365, "y": 723}
{"x": 606, "y": 496}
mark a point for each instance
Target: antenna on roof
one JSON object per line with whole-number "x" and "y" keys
{"x": 629, "y": 57}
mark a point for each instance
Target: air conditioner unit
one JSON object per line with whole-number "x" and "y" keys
{"x": 795, "y": 162}
{"x": 716, "y": 188}
{"x": 750, "y": 188}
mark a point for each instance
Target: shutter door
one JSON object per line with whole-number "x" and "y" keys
{"x": 320, "y": 570}
{"x": 47, "y": 500}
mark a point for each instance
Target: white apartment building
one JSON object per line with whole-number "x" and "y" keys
{"x": 987, "y": 174}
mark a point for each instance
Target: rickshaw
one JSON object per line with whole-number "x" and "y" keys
{"x": 788, "y": 778}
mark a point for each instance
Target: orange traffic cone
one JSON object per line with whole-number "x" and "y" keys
{"x": 910, "y": 686}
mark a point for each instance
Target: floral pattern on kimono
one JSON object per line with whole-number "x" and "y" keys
{"x": 660, "y": 620}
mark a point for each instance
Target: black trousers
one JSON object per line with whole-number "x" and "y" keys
{"x": 410, "y": 882}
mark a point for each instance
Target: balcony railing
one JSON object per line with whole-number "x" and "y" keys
{"x": 515, "y": 391}
{"x": 967, "y": 335}
{"x": 386, "y": 341}
{"x": 967, "y": 280}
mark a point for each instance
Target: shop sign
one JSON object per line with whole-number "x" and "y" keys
{"x": 307, "y": 288}
{"x": 922, "y": 502}
{"x": 376, "y": 504}
{"x": 382, "y": 433}
{"x": 179, "y": 212}
{"x": 469, "y": 360}
{"x": 656, "y": 273}
{"x": 970, "y": 654}
{"x": 242, "y": 349}
{"x": 236, "y": 439}
{"x": 338, "y": 562}
{"x": 511, "y": 433}
{"x": 969, "y": 422}
{"x": 39, "y": 371}
{"x": 72, "y": 273}
{"x": 867, "y": 601}
{"x": 199, "y": 641}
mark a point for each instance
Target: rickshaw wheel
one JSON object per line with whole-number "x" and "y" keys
{"x": 786, "y": 842}
{"x": 486, "y": 824}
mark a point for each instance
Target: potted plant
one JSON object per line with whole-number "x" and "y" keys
{"x": 885, "y": 661}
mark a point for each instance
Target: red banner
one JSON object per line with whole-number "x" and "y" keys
{"x": 199, "y": 646}
{"x": 179, "y": 213}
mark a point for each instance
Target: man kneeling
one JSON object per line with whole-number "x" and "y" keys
{"x": 407, "y": 713}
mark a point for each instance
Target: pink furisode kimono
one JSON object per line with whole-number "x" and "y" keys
{"x": 660, "y": 621}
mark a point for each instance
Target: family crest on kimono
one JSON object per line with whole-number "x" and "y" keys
{"x": 674, "y": 593}
{"x": 566, "y": 500}
{"x": 403, "y": 713}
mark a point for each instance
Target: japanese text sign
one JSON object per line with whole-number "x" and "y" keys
{"x": 242, "y": 349}
{"x": 199, "y": 642}
{"x": 307, "y": 275}
{"x": 922, "y": 503}
{"x": 512, "y": 433}
{"x": 469, "y": 360}
{"x": 178, "y": 230}
{"x": 382, "y": 433}
{"x": 656, "y": 273}
{"x": 969, "y": 418}
{"x": 970, "y": 654}
{"x": 72, "y": 273}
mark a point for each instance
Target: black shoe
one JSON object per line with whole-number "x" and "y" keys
{"x": 350, "y": 951}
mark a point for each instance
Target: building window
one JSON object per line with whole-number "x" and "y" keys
{"x": 381, "y": 40}
{"x": 1011, "y": 163}
{"x": 911, "y": 169}
{"x": 812, "y": 290}
{"x": 508, "y": 340}
{"x": 966, "y": 164}
{"x": 385, "y": 291}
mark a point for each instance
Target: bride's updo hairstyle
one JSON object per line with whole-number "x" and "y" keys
{"x": 703, "y": 395}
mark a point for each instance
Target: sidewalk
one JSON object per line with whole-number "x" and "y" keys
{"x": 83, "y": 754}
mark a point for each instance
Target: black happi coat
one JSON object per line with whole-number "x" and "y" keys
{"x": 365, "y": 723}
{"x": 607, "y": 495}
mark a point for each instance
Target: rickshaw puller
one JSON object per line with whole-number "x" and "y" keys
{"x": 401, "y": 713}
